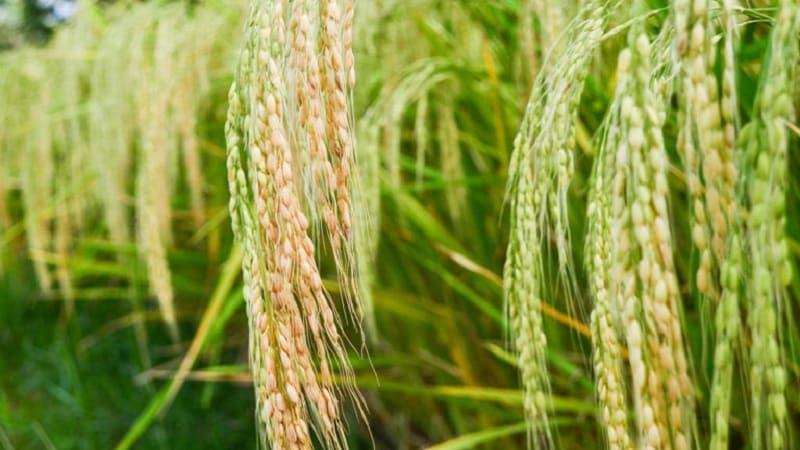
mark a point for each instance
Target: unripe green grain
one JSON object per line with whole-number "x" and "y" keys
{"x": 540, "y": 171}
{"x": 766, "y": 143}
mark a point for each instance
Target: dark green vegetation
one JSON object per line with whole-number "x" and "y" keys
{"x": 66, "y": 388}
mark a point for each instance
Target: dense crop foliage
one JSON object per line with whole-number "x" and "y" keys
{"x": 448, "y": 224}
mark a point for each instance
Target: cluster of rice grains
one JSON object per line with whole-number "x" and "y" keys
{"x": 643, "y": 279}
{"x": 706, "y": 134}
{"x": 738, "y": 205}
{"x": 540, "y": 172}
{"x": 171, "y": 80}
{"x": 736, "y": 192}
{"x": 551, "y": 17}
{"x": 291, "y": 165}
{"x": 764, "y": 143}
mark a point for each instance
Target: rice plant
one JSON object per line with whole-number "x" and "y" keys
{"x": 289, "y": 117}
{"x": 448, "y": 224}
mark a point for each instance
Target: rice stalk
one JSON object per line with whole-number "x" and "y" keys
{"x": 605, "y": 319}
{"x": 195, "y": 52}
{"x": 153, "y": 186}
{"x": 452, "y": 166}
{"x": 643, "y": 277}
{"x": 9, "y": 162}
{"x": 727, "y": 318}
{"x": 728, "y": 323}
{"x": 421, "y": 137}
{"x": 290, "y": 141}
{"x": 37, "y": 176}
{"x": 528, "y": 47}
{"x": 765, "y": 143}
{"x": 184, "y": 106}
{"x": 413, "y": 68}
{"x": 540, "y": 172}
{"x": 367, "y": 199}
{"x": 75, "y": 42}
{"x": 111, "y": 123}
{"x": 703, "y": 141}
{"x": 552, "y": 18}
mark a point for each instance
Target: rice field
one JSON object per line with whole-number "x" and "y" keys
{"x": 402, "y": 224}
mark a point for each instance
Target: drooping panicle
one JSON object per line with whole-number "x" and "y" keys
{"x": 291, "y": 164}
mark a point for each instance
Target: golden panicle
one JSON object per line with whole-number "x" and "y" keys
{"x": 290, "y": 143}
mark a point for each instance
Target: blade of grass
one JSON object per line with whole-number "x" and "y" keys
{"x": 230, "y": 272}
{"x": 548, "y": 310}
{"x": 145, "y": 419}
{"x": 508, "y": 397}
{"x": 481, "y": 437}
{"x": 161, "y": 402}
{"x": 472, "y": 439}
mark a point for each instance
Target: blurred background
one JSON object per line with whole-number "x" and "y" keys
{"x": 32, "y": 21}
{"x": 91, "y": 90}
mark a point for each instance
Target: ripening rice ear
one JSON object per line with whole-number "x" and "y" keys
{"x": 764, "y": 145}
{"x": 290, "y": 144}
{"x": 540, "y": 173}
